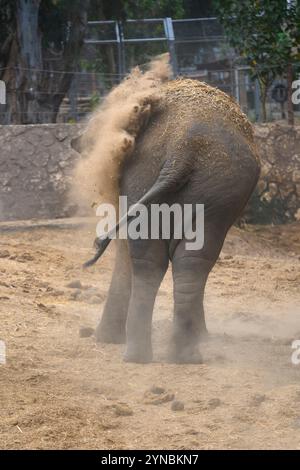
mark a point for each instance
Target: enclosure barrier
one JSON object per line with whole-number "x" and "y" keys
{"x": 37, "y": 162}
{"x": 197, "y": 47}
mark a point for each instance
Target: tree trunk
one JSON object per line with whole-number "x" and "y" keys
{"x": 263, "y": 99}
{"x": 36, "y": 83}
{"x": 110, "y": 56}
{"x": 29, "y": 60}
{"x": 290, "y": 112}
{"x": 23, "y": 53}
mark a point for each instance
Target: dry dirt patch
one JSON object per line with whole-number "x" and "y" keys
{"x": 60, "y": 390}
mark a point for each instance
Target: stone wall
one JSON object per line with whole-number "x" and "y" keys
{"x": 35, "y": 168}
{"x": 277, "y": 196}
{"x": 36, "y": 162}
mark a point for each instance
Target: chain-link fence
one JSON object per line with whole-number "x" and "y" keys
{"x": 197, "y": 48}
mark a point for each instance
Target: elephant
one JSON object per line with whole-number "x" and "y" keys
{"x": 197, "y": 148}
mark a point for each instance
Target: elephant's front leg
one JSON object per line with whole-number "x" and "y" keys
{"x": 149, "y": 264}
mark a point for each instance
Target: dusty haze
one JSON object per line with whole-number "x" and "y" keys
{"x": 111, "y": 132}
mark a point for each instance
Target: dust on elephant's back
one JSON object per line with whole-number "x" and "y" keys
{"x": 143, "y": 102}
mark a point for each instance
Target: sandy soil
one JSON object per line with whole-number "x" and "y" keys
{"x": 58, "y": 390}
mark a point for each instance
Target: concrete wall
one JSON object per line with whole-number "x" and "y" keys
{"x": 36, "y": 163}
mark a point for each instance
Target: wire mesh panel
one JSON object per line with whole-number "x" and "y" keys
{"x": 101, "y": 31}
{"x": 198, "y": 29}
{"x": 144, "y": 30}
{"x": 202, "y": 53}
{"x": 197, "y": 50}
{"x": 143, "y": 40}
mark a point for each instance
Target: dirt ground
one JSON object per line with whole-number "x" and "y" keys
{"x": 60, "y": 391}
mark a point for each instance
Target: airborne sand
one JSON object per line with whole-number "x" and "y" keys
{"x": 110, "y": 134}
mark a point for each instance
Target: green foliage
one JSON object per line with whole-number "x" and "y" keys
{"x": 7, "y": 21}
{"x": 154, "y": 8}
{"x": 122, "y": 9}
{"x": 94, "y": 101}
{"x": 266, "y": 33}
{"x": 54, "y": 21}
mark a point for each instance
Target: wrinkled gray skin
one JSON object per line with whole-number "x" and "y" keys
{"x": 185, "y": 161}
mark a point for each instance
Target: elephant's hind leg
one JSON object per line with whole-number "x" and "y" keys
{"x": 189, "y": 277}
{"x": 111, "y": 328}
{"x": 149, "y": 264}
{"x": 190, "y": 272}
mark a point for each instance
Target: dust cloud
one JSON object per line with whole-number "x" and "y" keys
{"x": 111, "y": 132}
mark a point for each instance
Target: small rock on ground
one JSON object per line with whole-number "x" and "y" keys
{"x": 4, "y": 253}
{"x": 74, "y": 284}
{"x": 122, "y": 409}
{"x": 257, "y": 399}
{"x": 86, "y": 332}
{"x": 157, "y": 390}
{"x": 75, "y": 294}
{"x": 151, "y": 398}
{"x": 214, "y": 402}
{"x": 177, "y": 405}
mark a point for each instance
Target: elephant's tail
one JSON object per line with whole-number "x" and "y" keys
{"x": 173, "y": 175}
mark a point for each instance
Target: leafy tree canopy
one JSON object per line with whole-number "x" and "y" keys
{"x": 266, "y": 33}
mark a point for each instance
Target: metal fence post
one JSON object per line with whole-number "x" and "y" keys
{"x": 237, "y": 85}
{"x": 169, "y": 32}
{"x": 121, "y": 50}
{"x": 257, "y": 101}
{"x": 73, "y": 96}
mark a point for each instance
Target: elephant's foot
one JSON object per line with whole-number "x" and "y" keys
{"x": 140, "y": 354}
{"x": 110, "y": 333}
{"x": 185, "y": 351}
{"x": 204, "y": 335}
